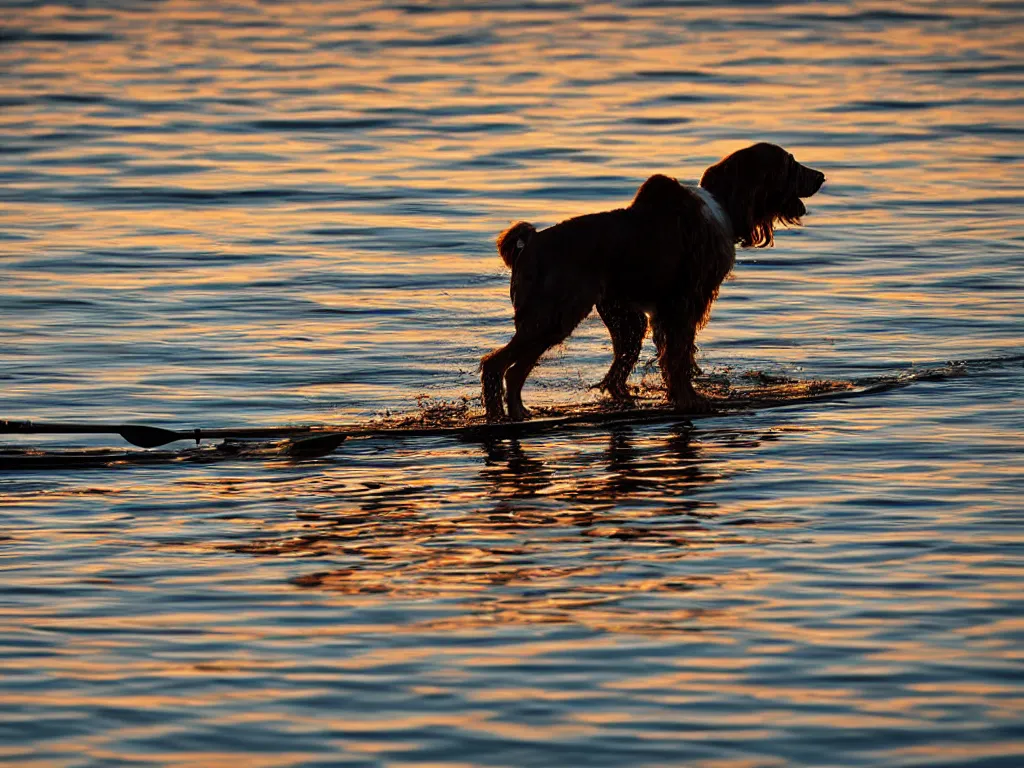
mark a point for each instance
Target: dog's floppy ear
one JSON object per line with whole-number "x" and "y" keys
{"x": 742, "y": 192}
{"x": 513, "y": 241}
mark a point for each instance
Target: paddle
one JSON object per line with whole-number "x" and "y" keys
{"x": 153, "y": 437}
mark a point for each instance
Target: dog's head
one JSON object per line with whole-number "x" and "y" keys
{"x": 760, "y": 186}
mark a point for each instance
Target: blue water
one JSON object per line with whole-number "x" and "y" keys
{"x": 229, "y": 214}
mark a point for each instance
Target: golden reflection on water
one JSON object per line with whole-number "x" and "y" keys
{"x": 511, "y": 561}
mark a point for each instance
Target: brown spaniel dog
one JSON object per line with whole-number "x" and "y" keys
{"x": 662, "y": 258}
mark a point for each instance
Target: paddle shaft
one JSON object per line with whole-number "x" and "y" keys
{"x": 146, "y": 436}
{"x": 57, "y": 428}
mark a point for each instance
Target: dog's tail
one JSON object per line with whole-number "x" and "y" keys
{"x": 514, "y": 240}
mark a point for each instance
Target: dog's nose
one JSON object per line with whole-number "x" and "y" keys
{"x": 812, "y": 182}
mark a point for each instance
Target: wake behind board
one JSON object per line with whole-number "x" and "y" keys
{"x": 726, "y": 398}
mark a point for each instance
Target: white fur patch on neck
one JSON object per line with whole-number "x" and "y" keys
{"x": 716, "y": 210}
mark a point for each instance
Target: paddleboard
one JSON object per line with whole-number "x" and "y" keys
{"x": 313, "y": 441}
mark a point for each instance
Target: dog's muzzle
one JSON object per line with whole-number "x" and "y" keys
{"x": 810, "y": 181}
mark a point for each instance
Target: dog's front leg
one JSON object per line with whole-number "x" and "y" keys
{"x": 675, "y": 338}
{"x": 627, "y": 327}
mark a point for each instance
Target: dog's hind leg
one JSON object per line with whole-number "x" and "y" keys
{"x": 535, "y": 341}
{"x": 492, "y": 373}
{"x": 511, "y": 364}
{"x": 516, "y": 375}
{"x": 627, "y": 327}
{"x": 675, "y": 338}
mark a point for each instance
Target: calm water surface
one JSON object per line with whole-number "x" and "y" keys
{"x": 218, "y": 214}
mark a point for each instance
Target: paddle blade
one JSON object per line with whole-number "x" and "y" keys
{"x": 311, "y": 447}
{"x": 149, "y": 437}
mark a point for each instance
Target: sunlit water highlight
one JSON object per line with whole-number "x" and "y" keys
{"x": 269, "y": 213}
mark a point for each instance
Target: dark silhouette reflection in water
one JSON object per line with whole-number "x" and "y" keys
{"x": 672, "y": 473}
{"x": 671, "y": 470}
{"x": 606, "y": 529}
{"x": 511, "y": 472}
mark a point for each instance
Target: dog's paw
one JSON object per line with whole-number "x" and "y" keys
{"x": 518, "y": 413}
{"x": 619, "y": 393}
{"x": 622, "y": 399}
{"x": 494, "y": 415}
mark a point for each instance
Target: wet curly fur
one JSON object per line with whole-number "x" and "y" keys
{"x": 663, "y": 257}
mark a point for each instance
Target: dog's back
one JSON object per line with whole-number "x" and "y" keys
{"x": 687, "y": 247}
{"x": 667, "y": 242}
